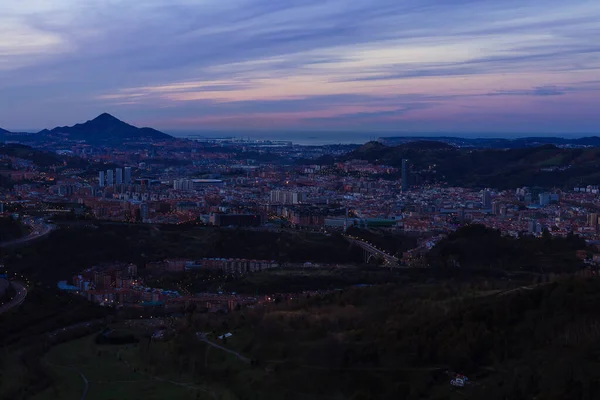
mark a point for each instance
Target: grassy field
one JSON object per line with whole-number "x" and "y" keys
{"x": 110, "y": 377}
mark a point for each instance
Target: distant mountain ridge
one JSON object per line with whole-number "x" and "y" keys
{"x": 105, "y": 128}
{"x": 496, "y": 143}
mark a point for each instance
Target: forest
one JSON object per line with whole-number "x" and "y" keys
{"x": 481, "y": 247}
{"x": 11, "y": 229}
{"x": 140, "y": 244}
{"x": 544, "y": 166}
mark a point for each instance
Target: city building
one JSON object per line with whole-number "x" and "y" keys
{"x": 110, "y": 178}
{"x": 544, "y": 199}
{"x": 183, "y": 184}
{"x": 101, "y": 179}
{"x": 144, "y": 211}
{"x": 127, "y": 177}
{"x": 405, "y": 175}
{"x": 218, "y": 219}
{"x": 593, "y": 220}
{"x": 119, "y": 173}
{"x": 486, "y": 199}
{"x": 496, "y": 206}
{"x": 286, "y": 197}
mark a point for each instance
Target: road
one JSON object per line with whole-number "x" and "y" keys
{"x": 17, "y": 300}
{"x": 389, "y": 259}
{"x": 202, "y": 337}
{"x": 38, "y": 229}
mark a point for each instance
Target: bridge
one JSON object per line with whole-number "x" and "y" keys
{"x": 371, "y": 251}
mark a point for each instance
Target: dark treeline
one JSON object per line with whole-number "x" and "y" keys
{"x": 11, "y": 229}
{"x": 46, "y": 260}
{"x": 490, "y": 167}
{"x": 481, "y": 247}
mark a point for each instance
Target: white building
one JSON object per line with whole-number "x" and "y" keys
{"x": 286, "y": 197}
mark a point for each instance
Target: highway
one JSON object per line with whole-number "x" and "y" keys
{"x": 17, "y": 300}
{"x": 38, "y": 229}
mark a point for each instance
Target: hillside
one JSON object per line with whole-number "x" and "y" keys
{"x": 545, "y": 166}
{"x": 105, "y": 128}
{"x": 141, "y": 244}
{"x": 426, "y": 145}
{"x": 475, "y": 246}
{"x": 497, "y": 143}
{"x": 11, "y": 229}
{"x": 401, "y": 342}
{"x": 39, "y": 157}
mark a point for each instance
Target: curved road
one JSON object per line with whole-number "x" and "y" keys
{"x": 17, "y": 300}
{"x": 38, "y": 230}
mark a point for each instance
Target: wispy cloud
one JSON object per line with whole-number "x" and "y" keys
{"x": 538, "y": 91}
{"x": 191, "y": 61}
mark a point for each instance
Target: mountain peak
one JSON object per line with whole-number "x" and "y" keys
{"x": 107, "y": 128}
{"x": 106, "y": 117}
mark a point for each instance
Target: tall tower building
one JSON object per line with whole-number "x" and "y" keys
{"x": 110, "y": 177}
{"x": 101, "y": 179}
{"x": 486, "y": 199}
{"x": 127, "y": 177}
{"x": 405, "y": 175}
{"x": 119, "y": 176}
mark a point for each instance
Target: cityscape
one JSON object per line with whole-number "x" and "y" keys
{"x": 237, "y": 209}
{"x": 324, "y": 200}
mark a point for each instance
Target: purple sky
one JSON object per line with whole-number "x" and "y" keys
{"x": 367, "y": 65}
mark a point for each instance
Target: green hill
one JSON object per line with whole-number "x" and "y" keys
{"x": 38, "y": 157}
{"x": 545, "y": 166}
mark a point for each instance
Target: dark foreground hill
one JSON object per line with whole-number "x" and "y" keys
{"x": 399, "y": 342}
{"x": 545, "y": 165}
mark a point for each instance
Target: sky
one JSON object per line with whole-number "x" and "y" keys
{"x": 462, "y": 66}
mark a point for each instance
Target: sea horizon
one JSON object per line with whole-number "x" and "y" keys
{"x": 331, "y": 138}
